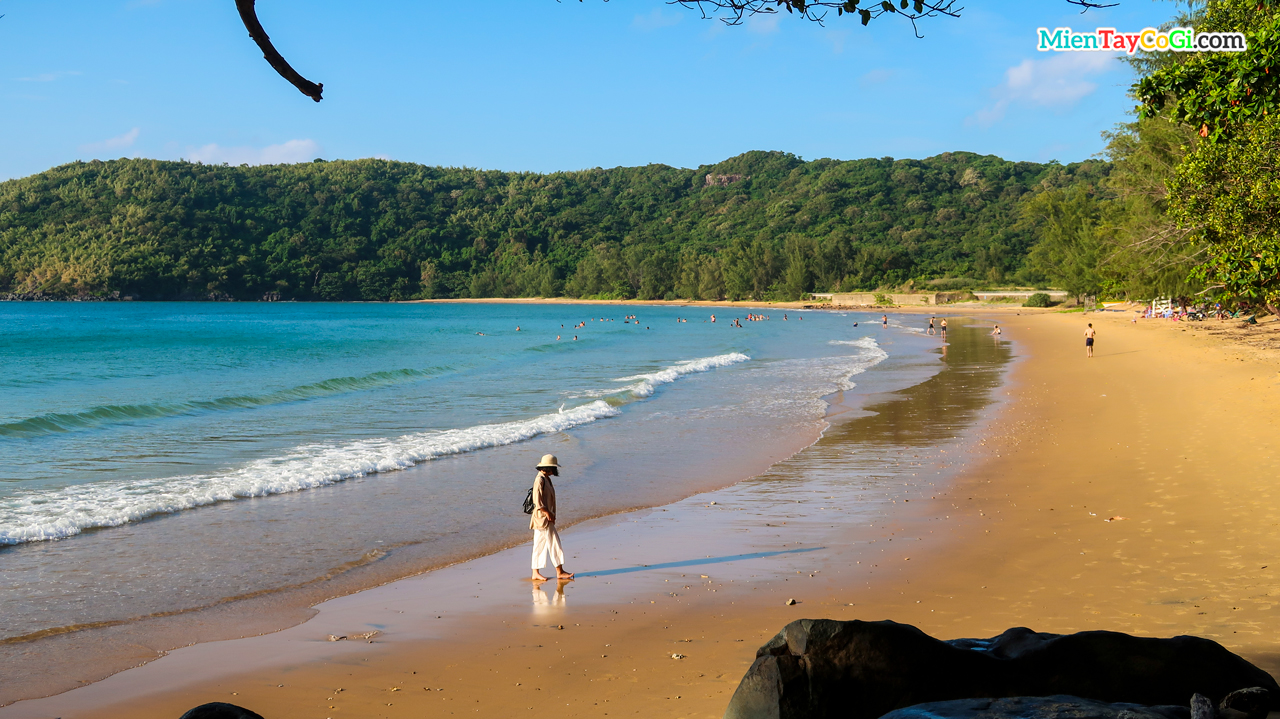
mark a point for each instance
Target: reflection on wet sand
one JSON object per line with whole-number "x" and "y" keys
{"x": 544, "y": 604}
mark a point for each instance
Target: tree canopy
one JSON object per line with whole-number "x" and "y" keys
{"x": 759, "y": 225}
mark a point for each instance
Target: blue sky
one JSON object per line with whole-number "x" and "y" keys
{"x": 540, "y": 85}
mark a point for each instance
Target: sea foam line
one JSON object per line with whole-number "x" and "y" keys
{"x": 645, "y": 384}
{"x": 39, "y": 516}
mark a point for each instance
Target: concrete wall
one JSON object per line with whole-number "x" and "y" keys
{"x": 869, "y": 298}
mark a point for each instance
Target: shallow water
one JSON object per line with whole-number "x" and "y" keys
{"x": 156, "y": 458}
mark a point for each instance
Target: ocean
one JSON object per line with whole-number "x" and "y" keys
{"x": 159, "y": 458}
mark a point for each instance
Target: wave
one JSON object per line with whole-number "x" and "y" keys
{"x": 113, "y": 414}
{"x": 645, "y": 384}
{"x": 871, "y": 355}
{"x": 69, "y": 511}
{"x": 38, "y": 516}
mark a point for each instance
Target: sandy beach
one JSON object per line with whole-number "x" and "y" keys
{"x": 1130, "y": 492}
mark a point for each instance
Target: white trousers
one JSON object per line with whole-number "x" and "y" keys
{"x": 547, "y": 542}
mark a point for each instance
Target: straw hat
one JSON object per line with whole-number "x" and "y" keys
{"x": 548, "y": 460}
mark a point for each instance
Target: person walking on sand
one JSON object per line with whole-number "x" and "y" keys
{"x": 931, "y": 331}
{"x": 1089, "y": 334}
{"x": 546, "y": 540}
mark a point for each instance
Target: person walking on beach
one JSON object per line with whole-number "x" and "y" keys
{"x": 1089, "y": 334}
{"x": 546, "y": 540}
{"x": 931, "y": 330}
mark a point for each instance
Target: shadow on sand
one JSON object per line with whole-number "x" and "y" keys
{"x": 694, "y": 562}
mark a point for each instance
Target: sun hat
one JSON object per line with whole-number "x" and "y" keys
{"x": 548, "y": 460}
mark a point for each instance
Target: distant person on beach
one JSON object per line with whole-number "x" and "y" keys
{"x": 1089, "y": 334}
{"x": 996, "y": 332}
{"x": 884, "y": 321}
{"x": 931, "y": 330}
{"x": 546, "y": 540}
{"x": 944, "y": 328}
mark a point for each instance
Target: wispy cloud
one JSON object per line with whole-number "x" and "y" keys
{"x": 836, "y": 38}
{"x": 876, "y": 76}
{"x": 764, "y": 23}
{"x": 1058, "y": 82}
{"x": 655, "y": 20}
{"x": 118, "y": 142}
{"x": 284, "y": 153}
{"x": 49, "y": 76}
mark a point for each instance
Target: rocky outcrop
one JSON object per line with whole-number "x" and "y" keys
{"x": 1055, "y": 707}
{"x": 220, "y": 710}
{"x": 827, "y": 669}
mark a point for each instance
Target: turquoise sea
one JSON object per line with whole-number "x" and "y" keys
{"x": 160, "y": 457}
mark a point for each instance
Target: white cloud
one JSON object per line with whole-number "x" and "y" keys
{"x": 1057, "y": 82}
{"x": 655, "y": 20}
{"x": 112, "y": 143}
{"x": 49, "y": 76}
{"x": 284, "y": 153}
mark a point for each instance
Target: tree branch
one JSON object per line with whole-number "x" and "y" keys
{"x": 250, "y": 17}
{"x": 735, "y": 12}
{"x": 1086, "y": 5}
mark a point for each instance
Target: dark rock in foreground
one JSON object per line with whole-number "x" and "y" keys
{"x": 220, "y": 710}
{"x": 1054, "y": 707}
{"x": 827, "y": 669}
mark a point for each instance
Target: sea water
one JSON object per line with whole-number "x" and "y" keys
{"x": 161, "y": 457}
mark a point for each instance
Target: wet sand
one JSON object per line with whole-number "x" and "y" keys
{"x": 1004, "y": 526}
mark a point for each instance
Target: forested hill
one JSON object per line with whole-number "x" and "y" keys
{"x": 761, "y": 225}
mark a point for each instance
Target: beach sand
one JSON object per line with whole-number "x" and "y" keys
{"x": 1170, "y": 435}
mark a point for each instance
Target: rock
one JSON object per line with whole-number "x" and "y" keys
{"x": 1202, "y": 708}
{"x": 220, "y": 710}
{"x": 1251, "y": 703}
{"x": 822, "y": 668}
{"x": 791, "y": 602}
{"x": 336, "y": 637}
{"x": 1055, "y": 707}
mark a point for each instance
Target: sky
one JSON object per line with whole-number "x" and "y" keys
{"x": 540, "y": 85}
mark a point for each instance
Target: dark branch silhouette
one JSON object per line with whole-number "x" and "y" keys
{"x": 1086, "y": 5}
{"x": 250, "y": 17}
{"x": 734, "y": 12}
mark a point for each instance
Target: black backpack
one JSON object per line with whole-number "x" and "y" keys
{"x": 528, "y": 502}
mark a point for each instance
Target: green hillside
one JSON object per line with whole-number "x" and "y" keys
{"x": 762, "y": 225}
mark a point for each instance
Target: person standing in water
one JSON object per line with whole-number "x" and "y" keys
{"x": 931, "y": 331}
{"x": 1089, "y": 334}
{"x": 884, "y": 321}
{"x": 546, "y": 540}
{"x": 944, "y": 328}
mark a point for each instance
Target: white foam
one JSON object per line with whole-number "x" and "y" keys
{"x": 871, "y": 355}
{"x": 35, "y": 516}
{"x": 645, "y": 384}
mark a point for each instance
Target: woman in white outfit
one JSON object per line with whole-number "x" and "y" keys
{"x": 546, "y": 540}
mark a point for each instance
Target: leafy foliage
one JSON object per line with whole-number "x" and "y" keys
{"x": 1229, "y": 194}
{"x": 1039, "y": 299}
{"x": 759, "y": 225}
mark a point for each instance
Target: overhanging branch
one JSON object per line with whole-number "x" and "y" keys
{"x": 250, "y": 18}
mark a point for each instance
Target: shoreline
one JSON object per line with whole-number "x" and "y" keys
{"x": 1192, "y": 525}
{"x": 850, "y": 413}
{"x": 99, "y": 650}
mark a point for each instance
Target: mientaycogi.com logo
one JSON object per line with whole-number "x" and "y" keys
{"x": 1178, "y": 39}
